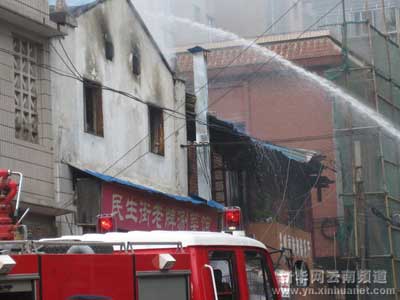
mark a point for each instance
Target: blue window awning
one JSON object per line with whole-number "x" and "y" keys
{"x": 193, "y": 200}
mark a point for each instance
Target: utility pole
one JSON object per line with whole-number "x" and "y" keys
{"x": 360, "y": 210}
{"x": 366, "y": 5}
{"x": 385, "y": 28}
{"x": 344, "y": 29}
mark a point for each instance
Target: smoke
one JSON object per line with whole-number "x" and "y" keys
{"x": 162, "y": 33}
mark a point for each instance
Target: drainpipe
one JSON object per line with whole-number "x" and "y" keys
{"x": 202, "y": 133}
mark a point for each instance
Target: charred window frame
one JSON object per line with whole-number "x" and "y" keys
{"x": 136, "y": 67}
{"x": 93, "y": 108}
{"x": 156, "y": 124}
{"x": 108, "y": 47}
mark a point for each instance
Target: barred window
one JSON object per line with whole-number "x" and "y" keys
{"x": 26, "y": 89}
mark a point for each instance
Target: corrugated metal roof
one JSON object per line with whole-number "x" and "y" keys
{"x": 297, "y": 154}
{"x": 300, "y": 155}
{"x": 110, "y": 179}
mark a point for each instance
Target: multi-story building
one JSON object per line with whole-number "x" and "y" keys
{"x": 354, "y": 220}
{"x": 249, "y": 20}
{"x": 26, "y": 140}
{"x": 119, "y": 122}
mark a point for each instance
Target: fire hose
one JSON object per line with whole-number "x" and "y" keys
{"x": 8, "y": 213}
{"x": 8, "y": 187}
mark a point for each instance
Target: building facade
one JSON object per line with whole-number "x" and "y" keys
{"x": 26, "y": 139}
{"x": 354, "y": 211}
{"x": 275, "y": 106}
{"x": 118, "y": 122}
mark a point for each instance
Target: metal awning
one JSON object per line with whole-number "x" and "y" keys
{"x": 189, "y": 199}
{"x": 300, "y": 155}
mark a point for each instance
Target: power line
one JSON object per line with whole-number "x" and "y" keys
{"x": 248, "y": 77}
{"x": 249, "y": 46}
{"x": 299, "y": 209}
{"x": 80, "y": 78}
{"x": 204, "y": 86}
{"x": 274, "y": 56}
{"x": 69, "y": 58}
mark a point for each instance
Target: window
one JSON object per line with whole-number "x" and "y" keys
{"x": 258, "y": 277}
{"x": 26, "y": 86}
{"x": 210, "y": 21}
{"x": 156, "y": 130}
{"x": 172, "y": 287}
{"x": 391, "y": 19}
{"x": 136, "y": 69}
{"x": 223, "y": 265}
{"x": 108, "y": 47}
{"x": 196, "y": 13}
{"x": 93, "y": 107}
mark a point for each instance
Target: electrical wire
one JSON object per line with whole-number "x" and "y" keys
{"x": 304, "y": 203}
{"x": 75, "y": 76}
{"x": 255, "y": 72}
{"x": 208, "y": 82}
{"x": 249, "y": 46}
{"x": 248, "y": 77}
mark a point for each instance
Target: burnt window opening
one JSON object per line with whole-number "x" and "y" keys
{"x": 136, "y": 69}
{"x": 93, "y": 106}
{"x": 319, "y": 194}
{"x": 108, "y": 47}
{"x": 156, "y": 120}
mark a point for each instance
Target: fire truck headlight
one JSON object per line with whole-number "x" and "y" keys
{"x": 166, "y": 261}
{"x": 6, "y": 264}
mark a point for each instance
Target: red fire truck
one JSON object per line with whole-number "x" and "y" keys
{"x": 132, "y": 265}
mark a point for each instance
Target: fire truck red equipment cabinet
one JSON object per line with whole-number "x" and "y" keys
{"x": 79, "y": 277}
{"x": 141, "y": 266}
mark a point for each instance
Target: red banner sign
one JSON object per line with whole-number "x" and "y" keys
{"x": 136, "y": 210}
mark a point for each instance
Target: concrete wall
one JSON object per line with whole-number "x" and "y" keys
{"x": 278, "y": 109}
{"x": 125, "y": 120}
{"x": 34, "y": 160}
{"x": 37, "y": 10}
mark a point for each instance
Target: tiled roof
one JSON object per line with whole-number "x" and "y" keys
{"x": 294, "y": 50}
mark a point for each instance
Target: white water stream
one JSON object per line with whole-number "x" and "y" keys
{"x": 325, "y": 84}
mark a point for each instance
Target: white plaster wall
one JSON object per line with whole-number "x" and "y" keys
{"x": 125, "y": 120}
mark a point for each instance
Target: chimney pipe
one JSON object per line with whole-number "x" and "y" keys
{"x": 61, "y": 6}
{"x": 202, "y": 133}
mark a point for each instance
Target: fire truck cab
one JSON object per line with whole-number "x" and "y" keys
{"x": 138, "y": 266}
